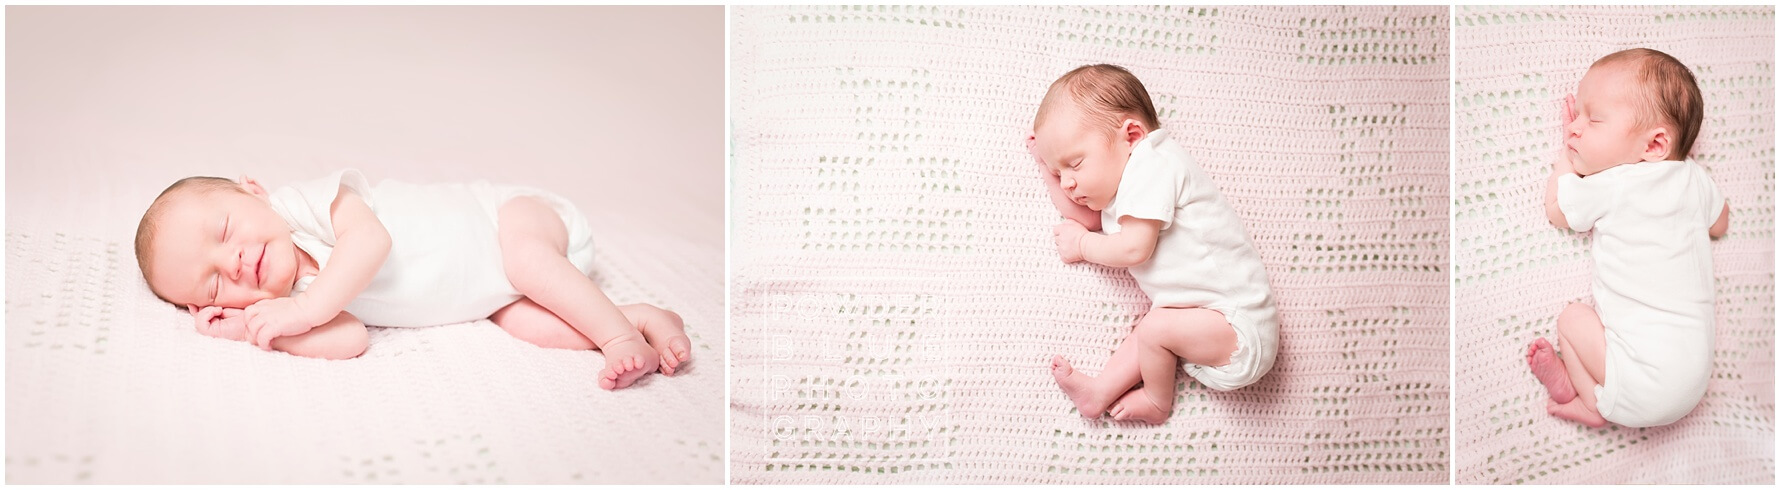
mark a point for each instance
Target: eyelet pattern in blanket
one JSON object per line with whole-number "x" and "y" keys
{"x": 107, "y": 384}
{"x": 1513, "y": 272}
{"x": 896, "y": 296}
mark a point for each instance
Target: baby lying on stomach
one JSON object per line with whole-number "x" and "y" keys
{"x": 304, "y": 268}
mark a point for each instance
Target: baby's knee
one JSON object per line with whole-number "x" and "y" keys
{"x": 1576, "y": 315}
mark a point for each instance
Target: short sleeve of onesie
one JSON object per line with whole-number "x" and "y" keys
{"x": 1151, "y": 186}
{"x": 1584, "y": 201}
{"x": 307, "y": 207}
{"x": 1715, "y": 202}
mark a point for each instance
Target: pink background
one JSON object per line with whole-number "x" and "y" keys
{"x": 107, "y": 106}
{"x": 618, "y": 109}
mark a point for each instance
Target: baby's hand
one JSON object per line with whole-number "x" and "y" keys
{"x": 1563, "y": 165}
{"x": 274, "y": 318}
{"x": 1068, "y": 235}
{"x": 1569, "y": 110}
{"x": 219, "y": 322}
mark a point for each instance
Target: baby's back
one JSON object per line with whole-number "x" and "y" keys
{"x": 1652, "y": 252}
{"x": 1204, "y": 257}
{"x": 444, "y": 262}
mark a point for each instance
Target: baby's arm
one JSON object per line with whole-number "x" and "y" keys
{"x": 344, "y": 337}
{"x": 1552, "y": 213}
{"x": 360, "y": 246}
{"x": 1132, "y": 245}
{"x": 1723, "y": 225}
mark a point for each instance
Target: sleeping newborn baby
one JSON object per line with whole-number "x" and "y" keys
{"x": 304, "y": 268}
{"x": 1643, "y": 355}
{"x": 1111, "y": 167}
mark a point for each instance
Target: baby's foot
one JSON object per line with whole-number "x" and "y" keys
{"x": 1550, "y": 370}
{"x": 1079, "y": 388}
{"x": 667, "y": 334}
{"x": 1575, "y": 412}
{"x": 627, "y": 359}
{"x": 1137, "y": 405}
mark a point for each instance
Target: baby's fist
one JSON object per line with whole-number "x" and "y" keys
{"x": 219, "y": 322}
{"x": 1068, "y": 235}
{"x": 274, "y": 318}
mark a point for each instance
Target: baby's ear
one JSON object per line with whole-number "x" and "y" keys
{"x": 1133, "y": 131}
{"x": 1656, "y": 144}
{"x": 252, "y": 186}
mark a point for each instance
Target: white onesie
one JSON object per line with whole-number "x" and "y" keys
{"x": 1653, "y": 283}
{"x": 1203, "y": 257}
{"x": 444, "y": 263}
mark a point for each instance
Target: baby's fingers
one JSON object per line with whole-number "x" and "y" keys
{"x": 254, "y": 326}
{"x": 265, "y": 338}
{"x": 202, "y": 316}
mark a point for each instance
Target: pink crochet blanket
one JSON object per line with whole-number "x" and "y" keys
{"x": 1513, "y": 272}
{"x": 896, "y": 297}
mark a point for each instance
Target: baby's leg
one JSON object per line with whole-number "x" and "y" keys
{"x": 527, "y": 321}
{"x": 534, "y": 248}
{"x": 1165, "y": 336}
{"x": 1583, "y": 342}
{"x": 1092, "y": 394}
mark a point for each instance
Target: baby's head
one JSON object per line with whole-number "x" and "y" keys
{"x": 1637, "y": 105}
{"x": 1086, "y": 127}
{"x": 211, "y": 241}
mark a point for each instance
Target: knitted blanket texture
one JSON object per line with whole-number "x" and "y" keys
{"x": 1513, "y": 272}
{"x": 107, "y": 384}
{"x": 896, "y": 297}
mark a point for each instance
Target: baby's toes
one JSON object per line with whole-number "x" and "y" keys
{"x": 668, "y": 363}
{"x": 608, "y": 379}
{"x": 682, "y": 349}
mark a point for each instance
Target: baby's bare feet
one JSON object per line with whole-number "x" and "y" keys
{"x": 1137, "y": 405}
{"x": 1574, "y": 411}
{"x": 627, "y": 359}
{"x": 1079, "y": 388}
{"x": 666, "y": 333}
{"x": 1549, "y": 369}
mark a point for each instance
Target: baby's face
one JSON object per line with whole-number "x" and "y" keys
{"x": 223, "y": 248}
{"x": 1087, "y": 157}
{"x": 1605, "y": 132}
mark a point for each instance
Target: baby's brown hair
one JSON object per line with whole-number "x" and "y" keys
{"x": 1671, "y": 96}
{"x": 1105, "y": 92}
{"x": 145, "y": 231}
